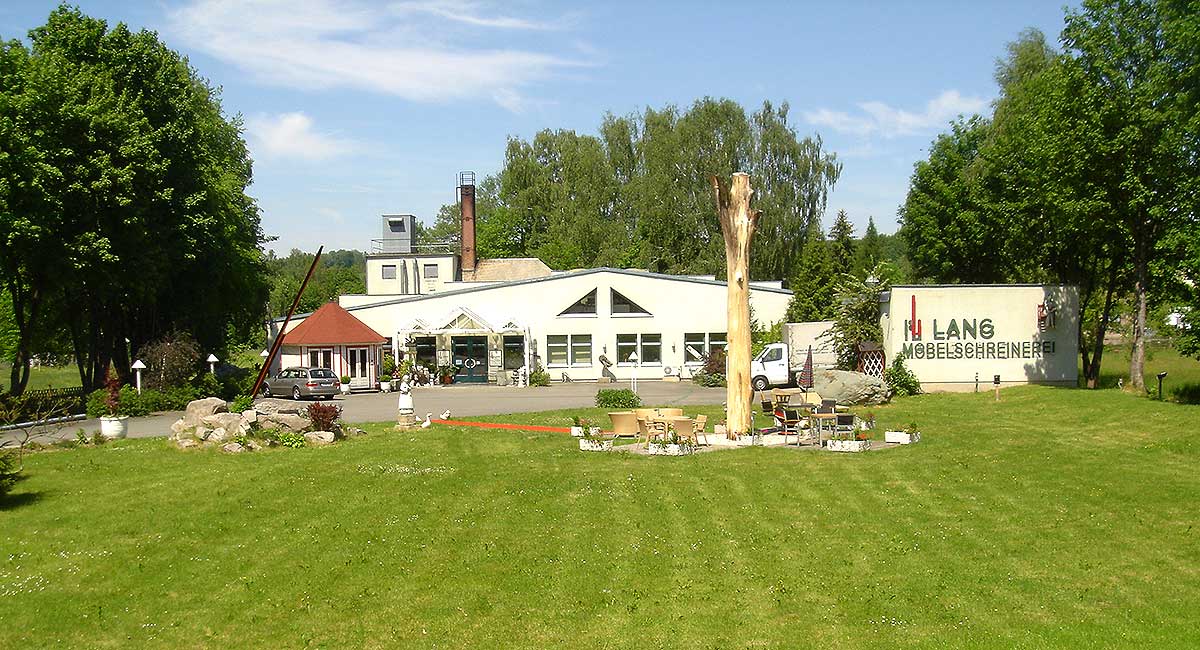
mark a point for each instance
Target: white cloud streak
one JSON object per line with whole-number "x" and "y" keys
{"x": 328, "y": 44}
{"x": 291, "y": 135}
{"x": 878, "y": 118}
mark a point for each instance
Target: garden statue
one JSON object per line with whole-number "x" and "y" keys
{"x": 738, "y": 222}
{"x": 405, "y": 419}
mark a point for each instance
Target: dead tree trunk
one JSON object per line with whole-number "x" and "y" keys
{"x": 738, "y": 222}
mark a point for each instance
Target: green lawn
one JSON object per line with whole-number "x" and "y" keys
{"x": 1054, "y": 518}
{"x": 1159, "y": 357}
{"x": 44, "y": 376}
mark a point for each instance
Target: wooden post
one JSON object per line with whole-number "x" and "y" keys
{"x": 738, "y": 222}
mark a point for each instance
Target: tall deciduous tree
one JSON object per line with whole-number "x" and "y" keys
{"x": 123, "y": 211}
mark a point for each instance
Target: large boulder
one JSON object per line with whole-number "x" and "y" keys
{"x": 284, "y": 421}
{"x": 318, "y": 438}
{"x": 199, "y": 409}
{"x": 234, "y": 423}
{"x": 850, "y": 387}
{"x": 273, "y": 406}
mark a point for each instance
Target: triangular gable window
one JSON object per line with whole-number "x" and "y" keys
{"x": 585, "y": 305}
{"x": 464, "y": 322}
{"x": 623, "y": 305}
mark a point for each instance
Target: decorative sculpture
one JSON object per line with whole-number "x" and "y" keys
{"x": 405, "y": 419}
{"x": 738, "y": 222}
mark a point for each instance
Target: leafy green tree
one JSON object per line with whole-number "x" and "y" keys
{"x": 813, "y": 283}
{"x": 123, "y": 213}
{"x": 856, "y": 314}
{"x": 870, "y": 250}
{"x": 842, "y": 241}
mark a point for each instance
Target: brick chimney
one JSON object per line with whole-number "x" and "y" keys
{"x": 466, "y": 204}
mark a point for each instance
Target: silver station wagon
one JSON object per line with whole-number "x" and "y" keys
{"x": 303, "y": 382}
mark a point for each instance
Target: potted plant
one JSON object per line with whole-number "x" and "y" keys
{"x": 671, "y": 446}
{"x": 446, "y": 374}
{"x": 847, "y": 441}
{"x": 594, "y": 440}
{"x": 906, "y": 436}
{"x": 577, "y": 424}
{"x": 345, "y": 384}
{"x": 867, "y": 422}
{"x": 114, "y": 425}
{"x": 385, "y": 383}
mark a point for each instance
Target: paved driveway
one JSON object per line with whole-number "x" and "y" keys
{"x": 462, "y": 400}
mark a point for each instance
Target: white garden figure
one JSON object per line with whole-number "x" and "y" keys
{"x": 404, "y": 406}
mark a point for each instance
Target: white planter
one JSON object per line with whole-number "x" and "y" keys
{"x": 345, "y": 389}
{"x": 595, "y": 445}
{"x": 848, "y": 445}
{"x": 385, "y": 386}
{"x": 901, "y": 437}
{"x": 577, "y": 432}
{"x": 671, "y": 450}
{"x": 594, "y": 431}
{"x": 113, "y": 428}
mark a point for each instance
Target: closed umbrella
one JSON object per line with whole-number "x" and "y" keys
{"x": 806, "y": 375}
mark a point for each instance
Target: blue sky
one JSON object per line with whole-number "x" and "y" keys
{"x": 354, "y": 109}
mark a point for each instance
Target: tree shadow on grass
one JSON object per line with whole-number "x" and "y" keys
{"x": 13, "y": 501}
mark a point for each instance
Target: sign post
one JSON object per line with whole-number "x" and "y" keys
{"x": 996, "y": 384}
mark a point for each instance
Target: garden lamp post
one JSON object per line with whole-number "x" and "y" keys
{"x": 138, "y": 367}
{"x": 212, "y": 363}
{"x": 1161, "y": 375}
{"x": 633, "y": 358}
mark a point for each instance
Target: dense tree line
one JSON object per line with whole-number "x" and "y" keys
{"x": 339, "y": 272}
{"x": 637, "y": 194}
{"x": 123, "y": 212}
{"x": 1087, "y": 172}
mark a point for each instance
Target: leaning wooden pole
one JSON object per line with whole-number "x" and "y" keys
{"x": 738, "y": 222}
{"x": 262, "y": 373}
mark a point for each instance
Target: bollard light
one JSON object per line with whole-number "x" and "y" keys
{"x": 212, "y": 363}
{"x": 1160, "y": 378}
{"x": 633, "y": 358}
{"x": 138, "y": 367}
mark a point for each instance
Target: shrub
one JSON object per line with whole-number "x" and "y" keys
{"x": 1186, "y": 394}
{"x": 385, "y": 378}
{"x": 345, "y": 379}
{"x": 710, "y": 380}
{"x": 714, "y": 363}
{"x": 242, "y": 403}
{"x": 617, "y": 398}
{"x": 170, "y": 360}
{"x": 207, "y": 385}
{"x": 901, "y": 379}
{"x": 323, "y": 416}
{"x": 539, "y": 377}
{"x": 9, "y": 472}
{"x": 290, "y": 439}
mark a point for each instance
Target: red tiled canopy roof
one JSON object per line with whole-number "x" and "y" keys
{"x": 332, "y": 325}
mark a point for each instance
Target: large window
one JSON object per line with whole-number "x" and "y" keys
{"x": 623, "y": 305}
{"x": 431, "y": 271}
{"x": 647, "y": 346}
{"x": 585, "y": 306}
{"x": 389, "y": 271}
{"x": 698, "y": 344}
{"x": 573, "y": 350}
{"x": 427, "y": 351}
{"x": 320, "y": 358}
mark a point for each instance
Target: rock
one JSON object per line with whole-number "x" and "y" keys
{"x": 284, "y": 421}
{"x": 218, "y": 435}
{"x": 202, "y": 433}
{"x": 179, "y": 429}
{"x": 201, "y": 408}
{"x": 272, "y": 406}
{"x": 232, "y": 448}
{"x": 250, "y": 415}
{"x": 318, "y": 438}
{"x": 186, "y": 443}
{"x": 253, "y": 445}
{"x": 850, "y": 388}
{"x": 234, "y": 423}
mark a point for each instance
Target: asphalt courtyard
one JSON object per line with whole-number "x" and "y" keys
{"x": 461, "y": 400}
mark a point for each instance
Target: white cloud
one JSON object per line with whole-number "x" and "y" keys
{"x": 324, "y": 44}
{"x": 878, "y": 118}
{"x": 291, "y": 135}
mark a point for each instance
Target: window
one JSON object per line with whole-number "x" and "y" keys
{"x": 774, "y": 354}
{"x": 321, "y": 373}
{"x": 431, "y": 271}
{"x": 585, "y": 305}
{"x": 320, "y": 358}
{"x": 623, "y": 305}
{"x": 581, "y": 350}
{"x": 389, "y": 271}
{"x": 426, "y": 351}
{"x": 514, "y": 352}
{"x": 647, "y": 346}
{"x": 574, "y": 350}
{"x": 696, "y": 345}
{"x": 556, "y": 350}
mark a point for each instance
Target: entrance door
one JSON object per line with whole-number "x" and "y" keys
{"x": 356, "y": 362}
{"x": 470, "y": 355}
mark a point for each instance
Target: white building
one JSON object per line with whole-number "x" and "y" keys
{"x": 958, "y": 337}
{"x": 491, "y": 317}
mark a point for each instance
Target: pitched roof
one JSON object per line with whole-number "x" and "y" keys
{"x": 331, "y": 325}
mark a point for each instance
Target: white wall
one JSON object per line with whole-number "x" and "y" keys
{"x": 677, "y": 307}
{"x": 410, "y": 274}
{"x": 985, "y": 329}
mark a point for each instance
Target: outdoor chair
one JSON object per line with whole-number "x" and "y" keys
{"x": 651, "y": 429}
{"x": 643, "y": 414}
{"x": 685, "y": 429}
{"x": 624, "y": 423}
{"x": 845, "y": 422}
{"x": 670, "y": 413}
{"x": 701, "y": 423}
